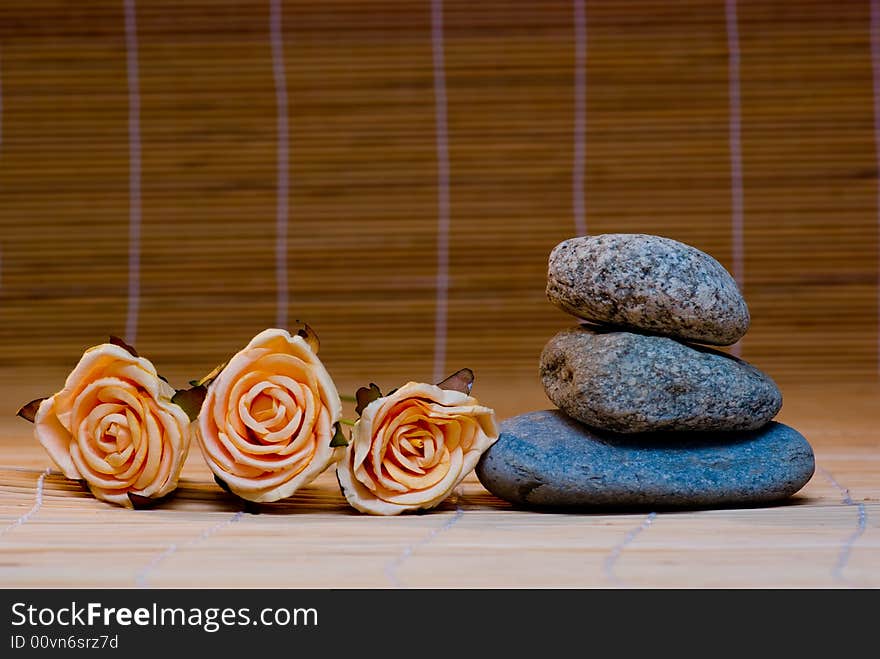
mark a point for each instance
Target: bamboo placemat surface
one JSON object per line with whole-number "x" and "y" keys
{"x": 201, "y": 538}
{"x": 142, "y": 194}
{"x": 364, "y": 218}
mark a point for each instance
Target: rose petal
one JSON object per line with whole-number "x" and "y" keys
{"x": 445, "y": 431}
{"x": 107, "y": 360}
{"x": 424, "y": 480}
{"x": 55, "y": 438}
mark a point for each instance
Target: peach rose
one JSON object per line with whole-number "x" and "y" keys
{"x": 114, "y": 426}
{"x": 411, "y": 448}
{"x": 269, "y": 418}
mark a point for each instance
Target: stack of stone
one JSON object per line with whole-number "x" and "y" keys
{"x": 648, "y": 415}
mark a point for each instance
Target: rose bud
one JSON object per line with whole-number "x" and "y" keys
{"x": 114, "y": 427}
{"x": 409, "y": 449}
{"x": 268, "y": 423}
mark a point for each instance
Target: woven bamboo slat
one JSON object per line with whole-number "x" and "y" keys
{"x": 315, "y": 540}
{"x": 362, "y": 257}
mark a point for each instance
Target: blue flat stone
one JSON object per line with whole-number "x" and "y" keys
{"x": 546, "y": 459}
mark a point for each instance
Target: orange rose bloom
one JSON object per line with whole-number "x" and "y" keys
{"x": 411, "y": 448}
{"x": 114, "y": 426}
{"x": 268, "y": 418}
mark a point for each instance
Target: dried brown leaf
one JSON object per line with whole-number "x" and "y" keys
{"x": 28, "y": 412}
{"x": 462, "y": 381}
{"x": 143, "y": 503}
{"x": 365, "y": 396}
{"x": 190, "y": 400}
{"x": 310, "y": 335}
{"x": 115, "y": 340}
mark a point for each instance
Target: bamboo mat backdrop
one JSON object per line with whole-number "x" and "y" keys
{"x": 186, "y": 174}
{"x": 425, "y": 159}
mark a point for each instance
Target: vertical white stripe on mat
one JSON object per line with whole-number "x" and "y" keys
{"x": 1, "y": 143}
{"x": 142, "y": 578}
{"x": 580, "y": 118}
{"x": 735, "y": 132}
{"x": 38, "y": 503}
{"x": 846, "y": 548}
{"x": 442, "y": 144}
{"x": 1, "y": 98}
{"x": 611, "y": 560}
{"x": 282, "y": 154}
{"x": 134, "y": 174}
{"x": 391, "y": 570}
{"x": 875, "y": 69}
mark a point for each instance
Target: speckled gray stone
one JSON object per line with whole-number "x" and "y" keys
{"x": 627, "y": 383}
{"x": 649, "y": 283}
{"x": 545, "y": 459}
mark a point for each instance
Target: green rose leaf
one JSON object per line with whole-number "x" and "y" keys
{"x": 206, "y": 380}
{"x": 338, "y": 438}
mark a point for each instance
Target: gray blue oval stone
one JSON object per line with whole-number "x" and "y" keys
{"x": 630, "y": 383}
{"x": 647, "y": 283}
{"x": 546, "y": 459}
